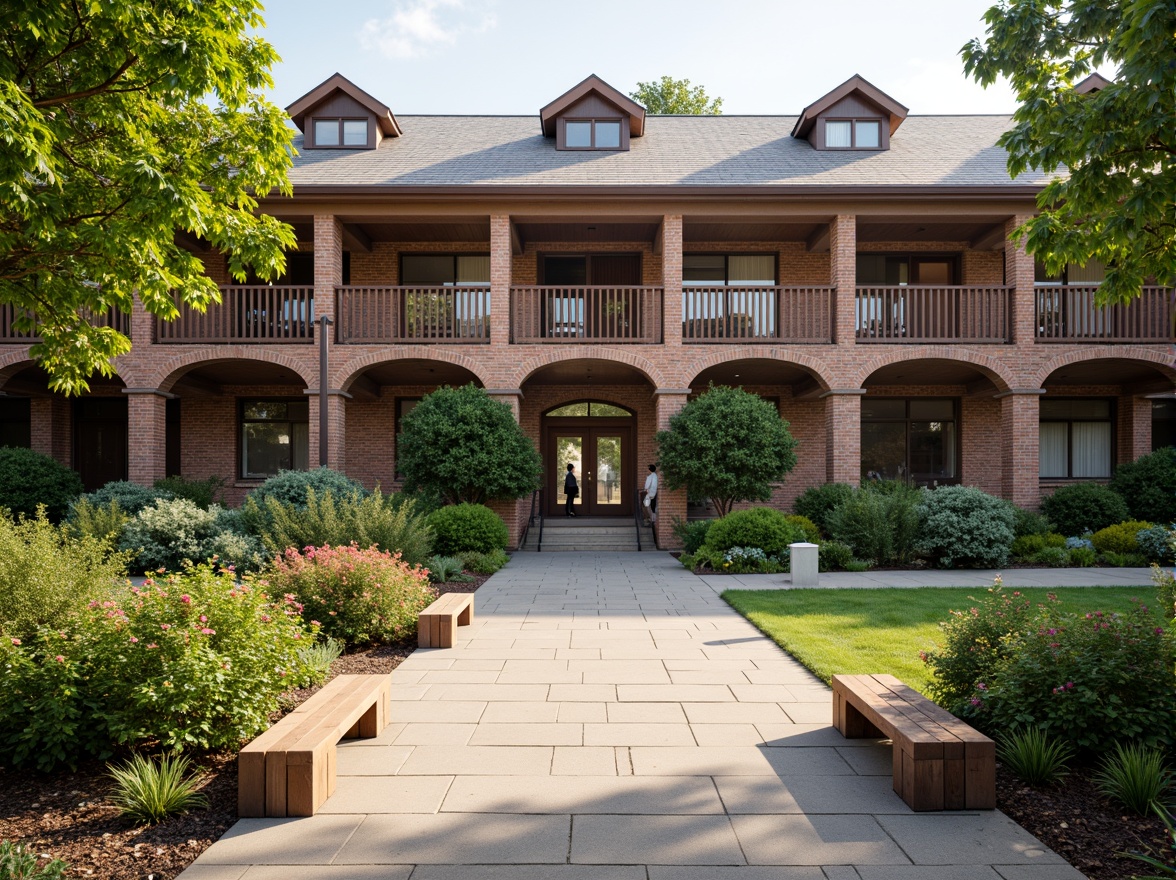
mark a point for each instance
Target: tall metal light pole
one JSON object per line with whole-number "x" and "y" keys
{"x": 324, "y": 323}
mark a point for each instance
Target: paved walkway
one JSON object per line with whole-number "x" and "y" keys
{"x": 608, "y": 717}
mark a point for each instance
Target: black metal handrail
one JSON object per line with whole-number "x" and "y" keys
{"x": 538, "y": 507}
{"x": 637, "y": 516}
{"x": 530, "y": 520}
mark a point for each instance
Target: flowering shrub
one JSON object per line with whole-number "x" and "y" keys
{"x": 195, "y": 661}
{"x": 361, "y": 596}
{"x": 974, "y": 645}
{"x": 1092, "y": 679}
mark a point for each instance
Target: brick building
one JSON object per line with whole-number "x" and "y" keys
{"x": 596, "y": 269}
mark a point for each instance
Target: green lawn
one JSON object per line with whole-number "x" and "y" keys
{"x": 863, "y": 631}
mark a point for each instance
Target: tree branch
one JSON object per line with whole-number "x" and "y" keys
{"x": 88, "y": 93}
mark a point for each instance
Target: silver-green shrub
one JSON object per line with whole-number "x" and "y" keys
{"x": 961, "y": 526}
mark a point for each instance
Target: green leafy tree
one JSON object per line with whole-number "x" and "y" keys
{"x": 675, "y": 96}
{"x": 460, "y": 445}
{"x": 727, "y": 445}
{"x": 1117, "y": 146}
{"x": 126, "y": 126}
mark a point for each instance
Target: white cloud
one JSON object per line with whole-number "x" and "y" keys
{"x": 417, "y": 27}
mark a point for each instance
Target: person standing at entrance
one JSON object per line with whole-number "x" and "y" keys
{"x": 650, "y": 493}
{"x": 571, "y": 490}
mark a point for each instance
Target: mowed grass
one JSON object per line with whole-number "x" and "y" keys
{"x": 883, "y": 630}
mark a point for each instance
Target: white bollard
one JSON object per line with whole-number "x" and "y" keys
{"x": 803, "y": 564}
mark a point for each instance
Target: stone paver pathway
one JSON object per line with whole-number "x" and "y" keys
{"x": 609, "y": 717}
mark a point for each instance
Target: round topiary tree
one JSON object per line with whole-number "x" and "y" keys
{"x": 463, "y": 528}
{"x": 461, "y": 446}
{"x": 1084, "y": 507}
{"x": 29, "y": 478}
{"x": 1148, "y": 485}
{"x": 727, "y": 445}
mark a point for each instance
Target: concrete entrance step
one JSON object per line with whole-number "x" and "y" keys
{"x": 587, "y": 534}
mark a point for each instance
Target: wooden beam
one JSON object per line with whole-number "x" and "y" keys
{"x": 658, "y": 238}
{"x": 364, "y": 388}
{"x": 356, "y": 239}
{"x": 982, "y": 387}
{"x": 807, "y": 388}
{"x": 988, "y": 241}
{"x": 516, "y": 240}
{"x": 818, "y": 242}
{"x": 194, "y": 386}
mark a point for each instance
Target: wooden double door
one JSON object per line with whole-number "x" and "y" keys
{"x": 604, "y": 458}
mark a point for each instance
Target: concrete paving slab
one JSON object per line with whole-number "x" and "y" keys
{"x": 875, "y": 759}
{"x": 529, "y": 872}
{"x": 726, "y": 734}
{"x": 435, "y": 734}
{"x": 986, "y": 838}
{"x": 591, "y": 693}
{"x": 387, "y": 794}
{"x": 1039, "y": 872}
{"x": 746, "y": 872}
{"x": 735, "y": 713}
{"x": 329, "y": 872}
{"x": 371, "y": 760}
{"x": 584, "y": 760}
{"x": 511, "y": 693}
{"x": 638, "y": 735}
{"x": 736, "y": 761}
{"x": 457, "y": 838}
{"x": 532, "y": 712}
{"x": 674, "y": 693}
{"x": 478, "y": 761}
{"x": 315, "y": 840}
{"x": 816, "y": 840}
{"x": 657, "y": 840}
{"x": 810, "y": 713}
{"x": 530, "y": 734}
{"x": 939, "y": 872}
{"x": 810, "y": 795}
{"x": 435, "y": 711}
{"x": 802, "y": 735}
{"x": 650, "y": 713}
{"x": 582, "y": 795}
{"x": 213, "y": 872}
{"x": 571, "y": 713}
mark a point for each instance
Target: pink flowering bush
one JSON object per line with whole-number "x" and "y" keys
{"x": 360, "y": 596}
{"x": 193, "y": 661}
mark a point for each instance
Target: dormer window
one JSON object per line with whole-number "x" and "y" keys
{"x": 853, "y": 134}
{"x": 341, "y": 133}
{"x": 591, "y": 134}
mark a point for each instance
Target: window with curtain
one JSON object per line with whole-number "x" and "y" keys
{"x": 1076, "y": 439}
{"x": 853, "y": 134}
{"x": 444, "y": 270}
{"x": 742, "y": 297}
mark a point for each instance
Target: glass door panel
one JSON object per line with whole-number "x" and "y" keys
{"x": 568, "y": 449}
{"x": 608, "y": 474}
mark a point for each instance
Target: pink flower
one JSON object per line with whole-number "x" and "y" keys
{"x": 134, "y": 640}
{"x": 204, "y": 618}
{"x": 16, "y": 641}
{"x": 186, "y": 599}
{"x": 208, "y": 632}
{"x": 59, "y": 659}
{"x": 165, "y": 626}
{"x": 152, "y": 645}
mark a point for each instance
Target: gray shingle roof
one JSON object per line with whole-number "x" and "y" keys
{"x": 698, "y": 151}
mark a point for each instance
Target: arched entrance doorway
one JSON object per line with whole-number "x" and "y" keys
{"x": 598, "y": 438}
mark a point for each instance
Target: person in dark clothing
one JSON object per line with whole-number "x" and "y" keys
{"x": 571, "y": 490}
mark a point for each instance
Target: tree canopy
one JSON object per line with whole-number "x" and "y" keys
{"x": 123, "y": 125}
{"x": 460, "y": 445}
{"x": 675, "y": 96}
{"x": 727, "y": 445}
{"x": 1115, "y": 201}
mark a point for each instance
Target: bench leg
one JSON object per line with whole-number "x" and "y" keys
{"x": 467, "y": 615}
{"x": 851, "y": 723}
{"x": 922, "y": 782}
{"x": 980, "y": 776}
{"x": 251, "y": 785}
{"x": 446, "y": 630}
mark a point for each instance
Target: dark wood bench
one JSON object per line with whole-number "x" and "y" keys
{"x": 290, "y": 769}
{"x": 437, "y": 624}
{"x": 940, "y": 763}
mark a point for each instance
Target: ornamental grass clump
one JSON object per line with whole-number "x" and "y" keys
{"x": 1135, "y": 776}
{"x": 19, "y": 861}
{"x": 1035, "y": 757}
{"x": 360, "y": 596}
{"x": 148, "y": 791}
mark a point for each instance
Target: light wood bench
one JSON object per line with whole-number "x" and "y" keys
{"x": 437, "y": 624}
{"x": 290, "y": 769}
{"x": 940, "y": 763}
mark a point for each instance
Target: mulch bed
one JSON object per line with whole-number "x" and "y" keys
{"x": 66, "y": 814}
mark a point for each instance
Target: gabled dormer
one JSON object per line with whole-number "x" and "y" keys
{"x": 339, "y": 115}
{"x": 593, "y": 116}
{"x": 854, "y": 116}
{"x": 1096, "y": 82}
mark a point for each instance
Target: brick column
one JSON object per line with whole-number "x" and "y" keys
{"x": 669, "y": 402}
{"x": 51, "y": 431}
{"x": 843, "y": 276}
{"x": 328, "y": 263}
{"x": 147, "y": 435}
{"x": 1020, "y": 462}
{"x": 1135, "y": 427}
{"x": 500, "y": 278}
{"x": 843, "y": 435}
{"x": 513, "y": 513}
{"x": 1019, "y": 275}
{"x": 336, "y": 429}
{"x": 671, "y": 247}
{"x": 328, "y": 274}
{"x": 142, "y": 325}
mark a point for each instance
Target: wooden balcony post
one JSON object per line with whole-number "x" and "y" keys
{"x": 147, "y": 435}
{"x": 1020, "y": 465}
{"x": 1019, "y": 275}
{"x": 501, "y": 244}
{"x": 843, "y": 435}
{"x": 843, "y": 276}
{"x": 670, "y": 505}
{"x": 671, "y": 251}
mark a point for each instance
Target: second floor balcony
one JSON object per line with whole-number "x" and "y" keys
{"x": 271, "y": 313}
{"x": 12, "y": 329}
{"x": 920, "y": 314}
{"x": 1069, "y": 312}
{"x": 581, "y": 313}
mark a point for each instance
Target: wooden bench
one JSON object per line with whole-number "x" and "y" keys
{"x": 290, "y": 769}
{"x": 438, "y": 623}
{"x": 940, "y": 763}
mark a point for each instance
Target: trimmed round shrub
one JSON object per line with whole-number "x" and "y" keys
{"x": 460, "y": 528}
{"x": 484, "y": 563}
{"x": 130, "y": 497}
{"x": 819, "y": 501}
{"x": 1084, "y": 507}
{"x": 964, "y": 526}
{"x": 28, "y": 479}
{"x": 812, "y": 534}
{"x": 169, "y": 533}
{"x": 764, "y": 528}
{"x": 290, "y": 487}
{"x": 358, "y": 596}
{"x": 1148, "y": 485}
{"x": 1030, "y": 522}
{"x": 834, "y": 556}
{"x": 1120, "y": 538}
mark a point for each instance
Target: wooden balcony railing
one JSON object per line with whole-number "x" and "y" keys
{"x": 737, "y": 314}
{"x": 932, "y": 314}
{"x": 412, "y": 314}
{"x": 120, "y": 321}
{"x": 586, "y": 314}
{"x": 246, "y": 313}
{"x": 1068, "y": 312}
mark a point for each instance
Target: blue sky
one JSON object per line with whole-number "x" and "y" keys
{"x": 514, "y": 56}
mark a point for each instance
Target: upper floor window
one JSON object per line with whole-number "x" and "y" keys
{"x": 591, "y": 134}
{"x": 1091, "y": 274}
{"x": 903, "y": 269}
{"x": 756, "y": 270}
{"x": 853, "y": 134}
{"x": 341, "y": 133}
{"x": 444, "y": 270}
